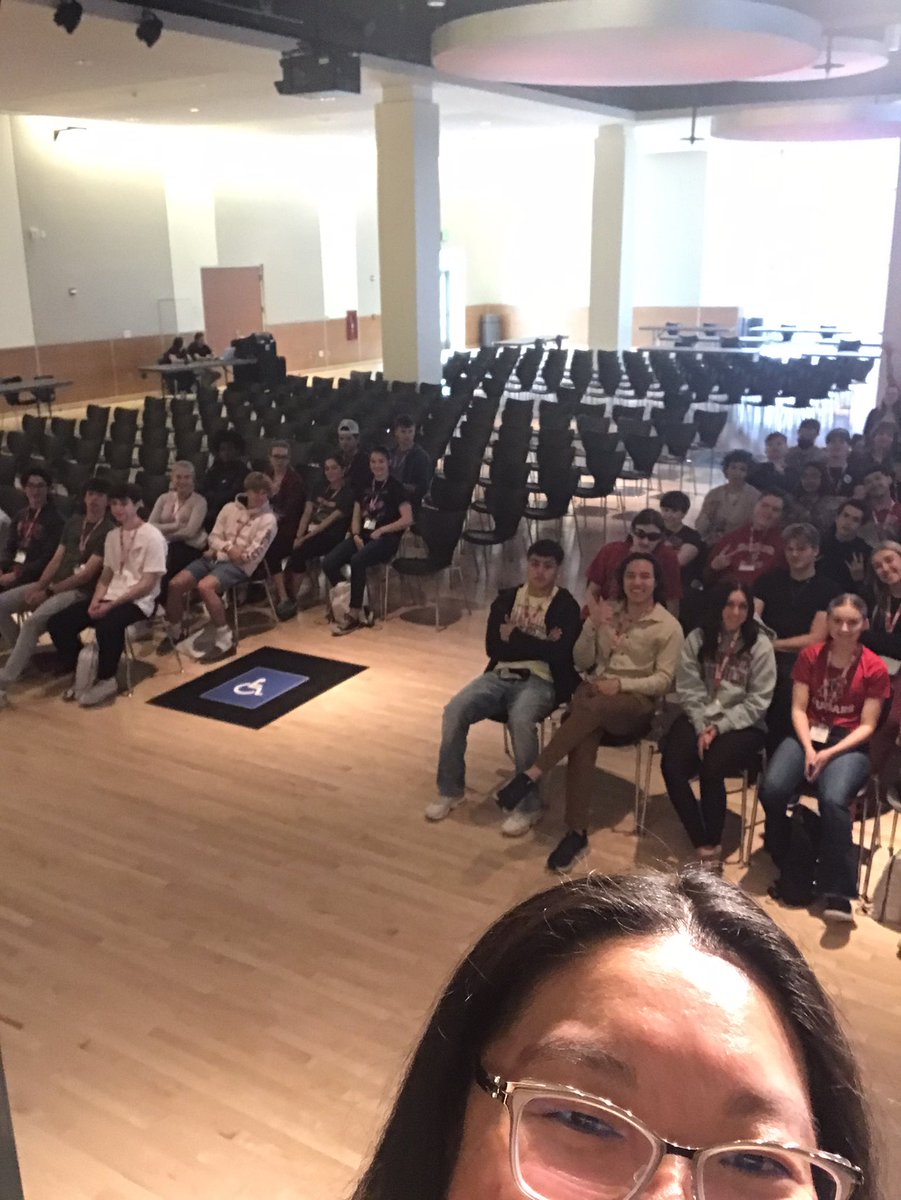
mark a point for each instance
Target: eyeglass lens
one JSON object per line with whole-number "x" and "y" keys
{"x": 649, "y": 535}
{"x": 568, "y": 1149}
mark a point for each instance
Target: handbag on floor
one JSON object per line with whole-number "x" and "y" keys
{"x": 796, "y": 885}
{"x": 886, "y": 907}
{"x": 339, "y": 603}
{"x": 86, "y": 669}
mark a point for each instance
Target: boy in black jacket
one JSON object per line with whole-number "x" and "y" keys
{"x": 529, "y": 640}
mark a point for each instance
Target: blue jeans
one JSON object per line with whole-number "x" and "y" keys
{"x": 836, "y": 787}
{"x": 522, "y": 703}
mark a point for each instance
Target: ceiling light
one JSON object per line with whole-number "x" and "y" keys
{"x": 435, "y": 3}
{"x": 68, "y": 14}
{"x": 195, "y": 110}
{"x": 149, "y": 28}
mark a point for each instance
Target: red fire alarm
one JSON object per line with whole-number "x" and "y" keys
{"x": 351, "y": 326}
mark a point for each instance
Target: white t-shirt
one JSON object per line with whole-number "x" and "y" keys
{"x": 131, "y": 553}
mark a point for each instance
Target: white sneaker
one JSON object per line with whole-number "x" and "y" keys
{"x": 439, "y": 809}
{"x": 519, "y": 823}
{"x": 101, "y": 692}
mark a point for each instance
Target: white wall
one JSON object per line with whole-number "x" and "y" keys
{"x": 669, "y": 228}
{"x": 16, "y": 327}
{"x": 191, "y": 215}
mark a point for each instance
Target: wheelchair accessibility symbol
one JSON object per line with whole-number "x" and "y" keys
{"x": 251, "y": 689}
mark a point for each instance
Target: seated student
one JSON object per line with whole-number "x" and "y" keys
{"x": 729, "y": 506}
{"x": 531, "y": 632}
{"x": 806, "y": 449}
{"x": 287, "y": 500}
{"x": 812, "y": 502}
{"x": 844, "y": 556}
{"x": 197, "y": 347}
{"x": 724, "y": 685}
{"x": 748, "y": 553}
{"x": 840, "y": 476}
{"x": 179, "y": 515}
{"x": 183, "y": 381}
{"x": 627, "y": 652}
{"x": 840, "y": 687}
{"x": 34, "y": 533}
{"x": 883, "y": 595}
{"x": 379, "y": 518}
{"x": 236, "y": 546}
{"x": 323, "y": 526}
{"x": 792, "y": 602}
{"x": 880, "y": 449}
{"x": 410, "y": 463}
{"x": 357, "y": 472}
{"x": 68, "y": 578}
{"x": 134, "y": 562}
{"x": 225, "y": 475}
{"x": 685, "y": 541}
{"x": 884, "y": 523}
{"x": 773, "y": 475}
{"x": 648, "y": 536}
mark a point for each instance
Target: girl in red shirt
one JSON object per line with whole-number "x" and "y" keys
{"x": 839, "y": 690}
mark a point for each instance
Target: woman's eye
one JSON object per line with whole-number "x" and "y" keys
{"x": 582, "y": 1122}
{"x": 751, "y": 1163}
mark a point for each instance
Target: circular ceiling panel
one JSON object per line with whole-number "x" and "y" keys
{"x": 627, "y": 43}
{"x": 845, "y": 56}
{"x": 844, "y": 121}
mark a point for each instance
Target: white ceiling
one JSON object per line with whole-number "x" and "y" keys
{"x": 103, "y": 72}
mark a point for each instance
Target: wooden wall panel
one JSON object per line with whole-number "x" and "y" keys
{"x": 88, "y": 364}
{"x": 131, "y": 353}
{"x": 370, "y": 337}
{"x": 338, "y": 349}
{"x": 20, "y": 360}
{"x": 507, "y": 313}
{"x": 301, "y": 343}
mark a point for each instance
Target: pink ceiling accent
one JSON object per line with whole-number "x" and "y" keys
{"x": 849, "y": 56}
{"x": 844, "y": 121}
{"x": 627, "y": 42}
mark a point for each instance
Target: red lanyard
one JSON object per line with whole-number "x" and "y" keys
{"x": 892, "y": 621}
{"x": 123, "y": 553}
{"x": 722, "y": 662}
{"x": 85, "y": 534}
{"x": 26, "y": 528}
{"x": 831, "y": 691}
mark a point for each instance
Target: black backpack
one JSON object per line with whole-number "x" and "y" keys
{"x": 797, "y": 882}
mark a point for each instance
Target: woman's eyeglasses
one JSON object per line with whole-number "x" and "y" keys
{"x": 568, "y": 1145}
{"x": 647, "y": 535}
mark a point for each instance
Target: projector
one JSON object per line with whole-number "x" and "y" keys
{"x": 309, "y": 72}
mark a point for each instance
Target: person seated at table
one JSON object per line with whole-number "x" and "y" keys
{"x": 531, "y": 632}
{"x": 33, "y": 534}
{"x": 182, "y": 381}
{"x": 884, "y": 520}
{"x": 774, "y": 475}
{"x": 806, "y": 450}
{"x": 379, "y": 518}
{"x": 882, "y": 592}
{"x": 410, "y": 463}
{"x": 840, "y": 687}
{"x": 724, "y": 685}
{"x": 357, "y": 472}
{"x": 841, "y": 477}
{"x": 749, "y": 552}
{"x": 225, "y": 476}
{"x": 844, "y": 555}
{"x": 134, "y": 562}
{"x": 68, "y": 578}
{"x": 880, "y": 450}
{"x": 179, "y": 515}
{"x": 627, "y": 653}
{"x": 812, "y": 501}
{"x": 687, "y": 543}
{"x": 323, "y": 526}
{"x": 792, "y": 602}
{"x": 729, "y": 506}
{"x": 649, "y": 537}
{"x": 236, "y": 546}
{"x": 197, "y": 349}
{"x": 287, "y": 500}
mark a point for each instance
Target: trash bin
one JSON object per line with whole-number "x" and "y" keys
{"x": 491, "y": 328}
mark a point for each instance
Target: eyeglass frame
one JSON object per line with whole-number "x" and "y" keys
{"x": 654, "y": 535}
{"x": 847, "y": 1176}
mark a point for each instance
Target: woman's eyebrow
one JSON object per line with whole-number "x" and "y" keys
{"x": 577, "y": 1052}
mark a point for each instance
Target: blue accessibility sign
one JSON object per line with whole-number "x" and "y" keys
{"x": 255, "y": 688}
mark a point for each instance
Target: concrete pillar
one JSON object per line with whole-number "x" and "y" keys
{"x": 406, "y": 130}
{"x": 612, "y": 239}
{"x": 892, "y": 324}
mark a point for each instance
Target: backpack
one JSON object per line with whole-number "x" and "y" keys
{"x": 797, "y": 881}
{"x": 886, "y": 907}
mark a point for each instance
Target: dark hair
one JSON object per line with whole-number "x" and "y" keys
{"x": 802, "y": 531}
{"x": 711, "y": 623}
{"x": 677, "y": 501}
{"x": 228, "y": 437}
{"x": 839, "y": 434}
{"x": 335, "y": 457}
{"x": 649, "y": 516}
{"x": 769, "y": 491}
{"x": 418, "y": 1149}
{"x": 850, "y": 502}
{"x": 546, "y": 548}
{"x": 853, "y": 600}
{"x": 738, "y": 456}
{"x": 403, "y": 421}
{"x": 660, "y": 596}
{"x": 810, "y": 423}
{"x": 127, "y": 491}
{"x": 383, "y": 450}
{"x": 177, "y": 343}
{"x": 97, "y": 485}
{"x": 771, "y": 437}
{"x": 41, "y": 472}
{"x": 820, "y": 470}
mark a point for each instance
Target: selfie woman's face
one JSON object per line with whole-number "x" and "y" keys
{"x": 683, "y": 1040}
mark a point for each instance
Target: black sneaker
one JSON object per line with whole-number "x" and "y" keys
{"x": 166, "y": 646}
{"x": 514, "y": 792}
{"x": 839, "y": 910}
{"x": 573, "y": 847}
{"x": 286, "y": 610}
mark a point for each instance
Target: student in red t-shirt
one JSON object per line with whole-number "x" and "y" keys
{"x": 749, "y": 552}
{"x": 839, "y": 690}
{"x": 647, "y": 537}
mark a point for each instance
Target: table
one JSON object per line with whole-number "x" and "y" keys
{"x": 757, "y": 352}
{"x": 43, "y": 391}
{"x": 789, "y": 333}
{"x": 557, "y": 338}
{"x": 712, "y": 333}
{"x": 194, "y": 366}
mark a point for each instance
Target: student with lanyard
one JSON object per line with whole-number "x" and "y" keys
{"x": 729, "y": 506}
{"x": 839, "y": 689}
{"x": 627, "y": 654}
{"x": 647, "y": 536}
{"x": 812, "y": 501}
{"x": 34, "y": 534}
{"x": 748, "y": 553}
{"x": 323, "y": 526}
{"x": 844, "y": 555}
{"x": 65, "y": 580}
{"x": 380, "y": 516}
{"x": 885, "y": 513}
{"x": 179, "y": 515}
{"x": 724, "y": 685}
{"x": 288, "y": 500}
{"x": 840, "y": 476}
{"x": 883, "y": 636}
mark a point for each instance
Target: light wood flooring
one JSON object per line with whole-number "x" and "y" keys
{"x": 217, "y": 946}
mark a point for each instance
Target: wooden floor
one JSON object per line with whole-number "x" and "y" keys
{"x": 217, "y": 946}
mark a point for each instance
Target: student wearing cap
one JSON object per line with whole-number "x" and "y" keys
{"x": 356, "y": 461}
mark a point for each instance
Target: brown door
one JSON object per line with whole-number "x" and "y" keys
{"x": 232, "y": 303}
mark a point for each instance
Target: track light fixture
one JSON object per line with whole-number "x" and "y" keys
{"x": 68, "y": 15}
{"x": 149, "y": 28}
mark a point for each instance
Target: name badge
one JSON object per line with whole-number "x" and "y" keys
{"x": 20, "y": 556}
{"x": 369, "y": 524}
{"x": 746, "y": 566}
{"x": 819, "y": 733}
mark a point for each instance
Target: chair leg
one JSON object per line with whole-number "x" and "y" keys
{"x": 752, "y": 824}
{"x": 129, "y": 658}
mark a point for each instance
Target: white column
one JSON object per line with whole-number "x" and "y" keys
{"x": 612, "y": 239}
{"x": 892, "y": 323}
{"x": 406, "y": 128}
{"x": 16, "y": 325}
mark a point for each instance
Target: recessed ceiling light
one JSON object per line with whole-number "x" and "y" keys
{"x": 435, "y": 3}
{"x": 83, "y": 62}
{"x": 193, "y": 110}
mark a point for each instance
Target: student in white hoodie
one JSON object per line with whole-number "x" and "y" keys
{"x": 237, "y": 545}
{"x": 725, "y": 682}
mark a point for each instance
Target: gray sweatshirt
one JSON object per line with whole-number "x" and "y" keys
{"x": 745, "y": 691}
